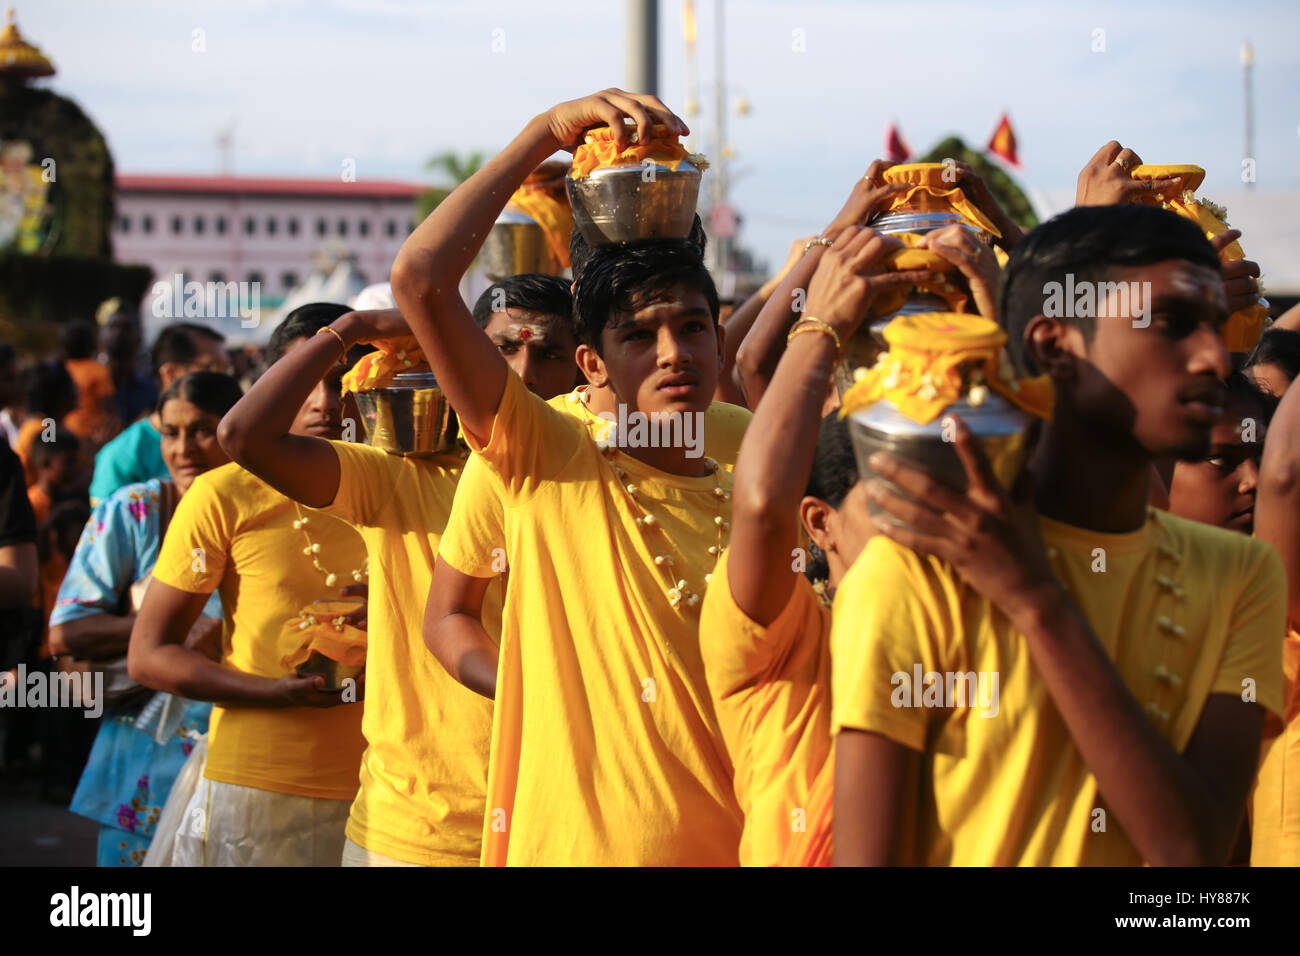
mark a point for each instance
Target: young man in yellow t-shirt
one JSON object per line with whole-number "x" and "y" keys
{"x": 424, "y": 771}
{"x": 473, "y": 550}
{"x": 283, "y": 752}
{"x": 1088, "y": 685}
{"x": 605, "y": 748}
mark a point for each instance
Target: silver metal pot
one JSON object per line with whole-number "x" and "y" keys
{"x": 999, "y": 427}
{"x": 514, "y": 245}
{"x": 630, "y": 203}
{"x": 411, "y": 416}
{"x": 921, "y": 222}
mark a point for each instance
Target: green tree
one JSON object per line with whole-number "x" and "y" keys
{"x": 452, "y": 166}
{"x": 1008, "y": 194}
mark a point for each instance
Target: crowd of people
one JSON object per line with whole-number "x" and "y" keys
{"x": 585, "y": 649}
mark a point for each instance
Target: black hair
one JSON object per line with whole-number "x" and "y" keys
{"x": 1239, "y": 386}
{"x": 1089, "y": 242}
{"x": 533, "y": 291}
{"x": 580, "y": 252}
{"x": 175, "y": 345}
{"x": 7, "y": 354}
{"x": 213, "y": 392}
{"x": 49, "y": 388}
{"x": 622, "y": 278}
{"x": 62, "y": 442}
{"x": 80, "y": 339}
{"x": 834, "y": 473}
{"x": 1280, "y": 347}
{"x": 302, "y": 323}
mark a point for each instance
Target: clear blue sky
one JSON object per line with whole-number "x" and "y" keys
{"x": 390, "y": 83}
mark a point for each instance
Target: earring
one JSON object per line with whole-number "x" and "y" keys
{"x": 830, "y": 546}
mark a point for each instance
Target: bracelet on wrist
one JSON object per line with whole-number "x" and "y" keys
{"x": 813, "y": 324}
{"x": 334, "y": 332}
{"x": 818, "y": 241}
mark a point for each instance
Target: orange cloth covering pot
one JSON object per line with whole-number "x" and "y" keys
{"x": 376, "y": 369}
{"x": 1245, "y": 326}
{"x": 922, "y": 373}
{"x": 599, "y": 150}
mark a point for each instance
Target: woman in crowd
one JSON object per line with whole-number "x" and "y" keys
{"x": 133, "y": 765}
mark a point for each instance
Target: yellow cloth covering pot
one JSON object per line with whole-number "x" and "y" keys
{"x": 1245, "y": 326}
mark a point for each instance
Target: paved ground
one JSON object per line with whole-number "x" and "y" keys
{"x": 34, "y": 832}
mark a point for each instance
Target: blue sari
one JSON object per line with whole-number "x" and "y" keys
{"x": 143, "y": 743}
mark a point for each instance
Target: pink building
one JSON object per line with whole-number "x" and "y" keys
{"x": 247, "y": 229}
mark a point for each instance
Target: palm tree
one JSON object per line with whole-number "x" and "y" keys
{"x": 453, "y": 167}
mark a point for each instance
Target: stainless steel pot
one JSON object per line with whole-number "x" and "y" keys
{"x": 630, "y": 203}
{"x": 921, "y": 222}
{"x": 514, "y": 245}
{"x": 999, "y": 427}
{"x": 410, "y": 416}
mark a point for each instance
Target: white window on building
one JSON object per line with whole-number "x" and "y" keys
{"x": 292, "y": 226}
{"x": 289, "y": 281}
{"x": 124, "y": 224}
{"x": 146, "y": 224}
{"x": 363, "y": 227}
{"x": 177, "y": 225}
{"x": 199, "y": 225}
{"x": 220, "y": 225}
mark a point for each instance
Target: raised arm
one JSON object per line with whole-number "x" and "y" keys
{"x": 777, "y": 452}
{"x": 256, "y": 433}
{"x": 427, "y": 271}
{"x": 758, "y": 355}
{"x": 731, "y": 388}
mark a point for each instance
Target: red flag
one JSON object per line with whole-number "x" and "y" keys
{"x": 896, "y": 151}
{"x": 1003, "y": 142}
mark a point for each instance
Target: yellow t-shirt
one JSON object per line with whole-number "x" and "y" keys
{"x": 771, "y": 690}
{"x": 605, "y": 748}
{"x": 251, "y": 554}
{"x": 424, "y": 771}
{"x": 1184, "y": 610}
{"x": 474, "y": 541}
{"x": 1275, "y": 800}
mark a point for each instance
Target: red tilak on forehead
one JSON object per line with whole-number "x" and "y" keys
{"x": 525, "y": 333}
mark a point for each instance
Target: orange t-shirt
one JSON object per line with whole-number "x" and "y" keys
{"x": 94, "y": 383}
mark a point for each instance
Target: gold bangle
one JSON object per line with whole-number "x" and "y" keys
{"x": 812, "y": 324}
{"x": 819, "y": 241}
{"x": 333, "y": 332}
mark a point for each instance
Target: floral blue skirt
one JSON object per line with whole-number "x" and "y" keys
{"x": 129, "y": 774}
